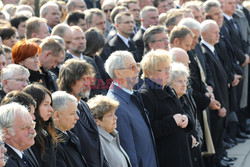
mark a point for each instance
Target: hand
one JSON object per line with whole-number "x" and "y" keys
{"x": 214, "y": 105}
{"x": 236, "y": 80}
{"x": 210, "y": 95}
{"x": 246, "y": 61}
{"x": 210, "y": 89}
{"x": 178, "y": 119}
{"x": 184, "y": 122}
{"x": 193, "y": 140}
{"x": 222, "y": 112}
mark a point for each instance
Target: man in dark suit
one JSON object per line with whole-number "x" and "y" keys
{"x": 133, "y": 124}
{"x": 124, "y": 23}
{"x": 75, "y": 79}
{"x": 65, "y": 117}
{"x": 19, "y": 133}
{"x": 210, "y": 36}
{"x": 149, "y": 17}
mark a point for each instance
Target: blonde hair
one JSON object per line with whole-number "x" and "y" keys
{"x": 152, "y": 60}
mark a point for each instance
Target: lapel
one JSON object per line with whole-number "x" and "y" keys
{"x": 120, "y": 44}
{"x": 84, "y": 112}
{"x": 12, "y": 155}
{"x": 29, "y": 153}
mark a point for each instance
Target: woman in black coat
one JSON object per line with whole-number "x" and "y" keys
{"x": 168, "y": 122}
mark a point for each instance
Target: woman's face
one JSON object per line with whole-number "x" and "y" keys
{"x": 108, "y": 122}
{"x": 180, "y": 85}
{"x": 2, "y": 151}
{"x": 45, "y": 109}
{"x": 31, "y": 63}
{"x": 162, "y": 74}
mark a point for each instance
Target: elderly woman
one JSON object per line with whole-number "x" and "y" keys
{"x": 26, "y": 53}
{"x": 168, "y": 121}
{"x": 103, "y": 110}
{"x": 178, "y": 81}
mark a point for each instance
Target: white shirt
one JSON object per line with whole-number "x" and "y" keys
{"x": 125, "y": 40}
{"x": 208, "y": 45}
{"x": 19, "y": 153}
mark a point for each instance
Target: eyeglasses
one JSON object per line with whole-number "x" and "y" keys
{"x": 132, "y": 67}
{"x": 107, "y": 10}
{"x": 28, "y": 126}
{"x": 20, "y": 80}
{"x": 161, "y": 40}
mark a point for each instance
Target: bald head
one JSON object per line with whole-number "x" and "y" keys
{"x": 179, "y": 55}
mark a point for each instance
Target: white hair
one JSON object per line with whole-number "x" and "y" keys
{"x": 61, "y": 99}
{"x": 45, "y": 8}
{"x": 190, "y": 23}
{"x": 205, "y": 25}
{"x": 178, "y": 70}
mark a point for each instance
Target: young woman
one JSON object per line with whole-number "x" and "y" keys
{"x": 46, "y": 140}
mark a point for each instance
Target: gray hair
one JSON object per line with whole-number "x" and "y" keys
{"x": 207, "y": 5}
{"x": 116, "y": 61}
{"x": 173, "y": 53}
{"x": 91, "y": 12}
{"x": 146, "y": 9}
{"x": 61, "y": 100}
{"x": 190, "y": 23}
{"x": 205, "y": 25}
{"x": 9, "y": 112}
{"x": 13, "y": 69}
{"x": 178, "y": 70}
{"x": 149, "y": 35}
{"x": 57, "y": 38}
{"x": 45, "y": 8}
{"x": 60, "y": 29}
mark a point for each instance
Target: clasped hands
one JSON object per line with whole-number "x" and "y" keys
{"x": 181, "y": 120}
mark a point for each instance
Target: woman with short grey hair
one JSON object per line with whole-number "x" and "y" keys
{"x": 103, "y": 110}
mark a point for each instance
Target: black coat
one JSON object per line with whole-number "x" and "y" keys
{"x": 86, "y": 130}
{"x": 70, "y": 152}
{"x": 14, "y": 160}
{"x": 48, "y": 80}
{"x": 171, "y": 140}
{"x": 139, "y": 42}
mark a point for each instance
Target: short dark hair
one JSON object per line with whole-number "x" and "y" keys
{"x": 15, "y": 21}
{"x": 19, "y": 97}
{"x": 7, "y": 32}
{"x": 74, "y": 17}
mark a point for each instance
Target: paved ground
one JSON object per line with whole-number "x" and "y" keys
{"x": 242, "y": 152}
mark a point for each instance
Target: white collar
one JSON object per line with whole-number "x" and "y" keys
{"x": 19, "y": 153}
{"x": 124, "y": 39}
{"x": 76, "y": 57}
{"x": 124, "y": 89}
{"x": 208, "y": 45}
{"x": 227, "y": 17}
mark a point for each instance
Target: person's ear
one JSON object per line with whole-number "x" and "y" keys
{"x": 117, "y": 74}
{"x": 97, "y": 122}
{"x": 6, "y": 133}
{"x": 176, "y": 42}
{"x": 56, "y": 116}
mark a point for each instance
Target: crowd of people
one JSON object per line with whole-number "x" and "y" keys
{"x": 123, "y": 83}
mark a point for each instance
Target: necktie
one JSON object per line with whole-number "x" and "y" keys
{"x": 233, "y": 23}
{"x": 216, "y": 55}
{"x": 26, "y": 160}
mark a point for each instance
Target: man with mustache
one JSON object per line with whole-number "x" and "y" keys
{"x": 18, "y": 133}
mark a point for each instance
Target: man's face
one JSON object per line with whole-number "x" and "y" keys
{"x": 21, "y": 29}
{"x": 165, "y": 6}
{"x": 80, "y": 5}
{"x": 68, "y": 35}
{"x": 81, "y": 88}
{"x": 134, "y": 9}
{"x": 82, "y": 24}
{"x": 43, "y": 32}
{"x": 99, "y": 22}
{"x": 16, "y": 82}
{"x": 151, "y": 19}
{"x": 50, "y": 60}
{"x": 197, "y": 15}
{"x": 126, "y": 27}
{"x": 212, "y": 34}
{"x": 185, "y": 43}
{"x": 143, "y": 3}
{"x": 68, "y": 117}
{"x": 160, "y": 42}
{"x": 195, "y": 38}
{"x": 78, "y": 43}
{"x": 229, "y": 7}
{"x": 216, "y": 15}
{"x": 24, "y": 133}
{"x": 107, "y": 10}
{"x": 53, "y": 16}
{"x": 129, "y": 75}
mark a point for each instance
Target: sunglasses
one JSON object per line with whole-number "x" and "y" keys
{"x": 107, "y": 10}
